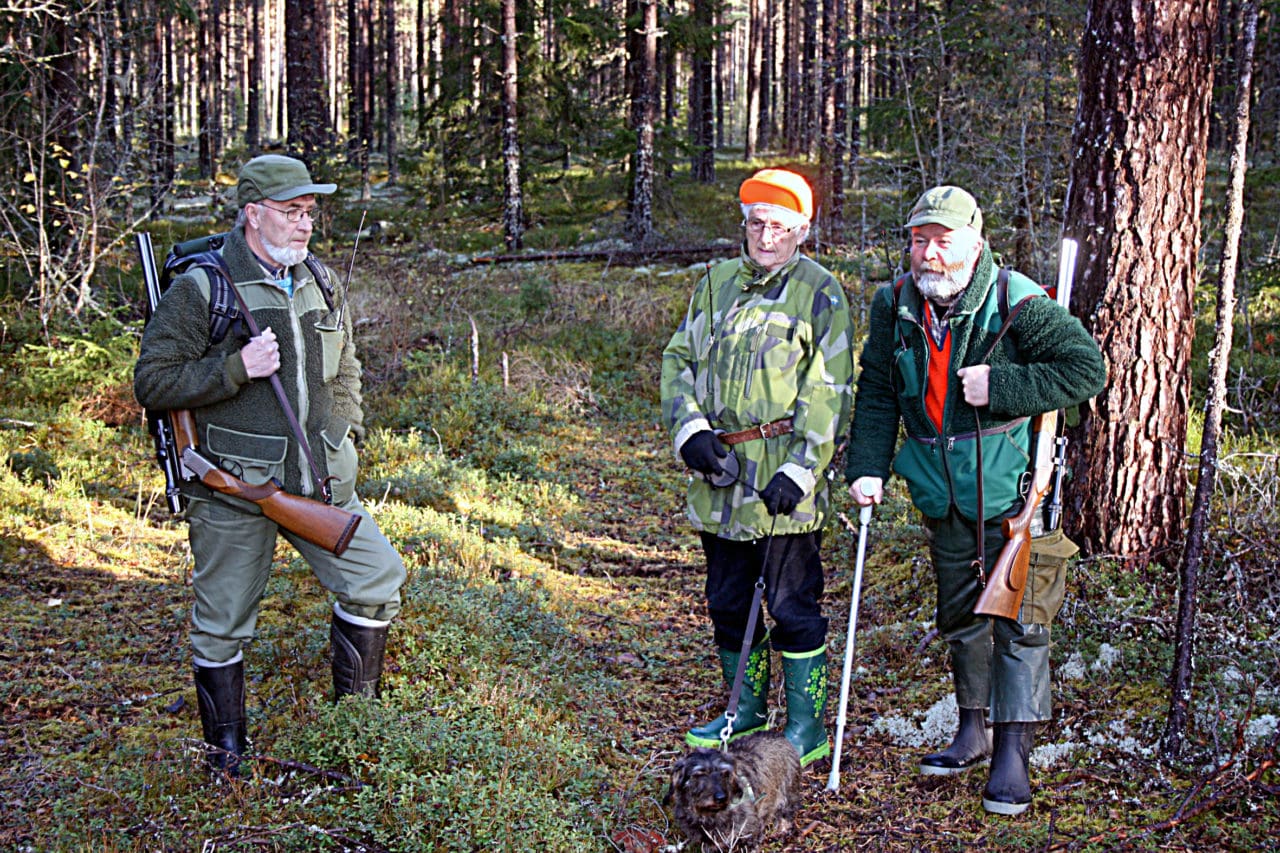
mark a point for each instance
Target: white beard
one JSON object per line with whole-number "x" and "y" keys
{"x": 282, "y": 254}
{"x": 942, "y": 288}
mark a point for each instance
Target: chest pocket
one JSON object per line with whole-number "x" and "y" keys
{"x": 777, "y": 347}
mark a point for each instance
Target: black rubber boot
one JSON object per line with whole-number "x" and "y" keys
{"x": 357, "y": 657}
{"x": 1008, "y": 791}
{"x": 970, "y": 747}
{"x": 220, "y": 697}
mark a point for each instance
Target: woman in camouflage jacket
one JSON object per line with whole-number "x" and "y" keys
{"x": 762, "y": 368}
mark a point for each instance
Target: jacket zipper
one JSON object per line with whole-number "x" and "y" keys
{"x": 300, "y": 354}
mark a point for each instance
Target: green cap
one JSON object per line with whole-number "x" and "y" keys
{"x": 279, "y": 178}
{"x": 950, "y": 207}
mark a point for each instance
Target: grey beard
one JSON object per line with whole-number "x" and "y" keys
{"x": 283, "y": 255}
{"x": 942, "y": 288}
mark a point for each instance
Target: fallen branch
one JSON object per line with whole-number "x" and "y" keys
{"x": 622, "y": 256}
{"x": 1188, "y": 811}
{"x": 303, "y": 767}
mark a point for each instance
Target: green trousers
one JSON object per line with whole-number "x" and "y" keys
{"x": 1000, "y": 664}
{"x": 233, "y": 551}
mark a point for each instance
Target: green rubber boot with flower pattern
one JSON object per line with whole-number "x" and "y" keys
{"x": 805, "y": 677}
{"x": 753, "y": 701}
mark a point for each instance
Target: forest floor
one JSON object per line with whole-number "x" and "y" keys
{"x": 553, "y": 647}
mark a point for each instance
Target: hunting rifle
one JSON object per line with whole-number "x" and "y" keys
{"x": 321, "y": 524}
{"x": 1005, "y": 585}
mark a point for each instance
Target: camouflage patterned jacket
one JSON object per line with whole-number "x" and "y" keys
{"x": 756, "y": 347}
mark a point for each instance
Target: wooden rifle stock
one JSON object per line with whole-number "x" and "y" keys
{"x": 321, "y": 524}
{"x": 1002, "y": 594}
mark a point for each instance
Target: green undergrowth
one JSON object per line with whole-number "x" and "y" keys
{"x": 553, "y": 644}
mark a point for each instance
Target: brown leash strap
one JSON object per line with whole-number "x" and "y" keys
{"x": 284, "y": 404}
{"x": 748, "y": 635}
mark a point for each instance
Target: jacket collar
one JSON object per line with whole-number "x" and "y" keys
{"x": 245, "y": 266}
{"x": 751, "y": 275}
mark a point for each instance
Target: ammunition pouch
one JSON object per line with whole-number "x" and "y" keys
{"x": 1047, "y": 577}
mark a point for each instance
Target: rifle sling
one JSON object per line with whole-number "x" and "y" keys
{"x": 1002, "y": 293}
{"x": 284, "y": 404}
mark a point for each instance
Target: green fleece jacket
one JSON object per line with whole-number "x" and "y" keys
{"x": 1047, "y": 361}
{"x": 239, "y": 420}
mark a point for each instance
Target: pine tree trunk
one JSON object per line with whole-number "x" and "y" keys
{"x": 253, "y": 92}
{"x": 755, "y": 54}
{"x": 206, "y": 63}
{"x": 834, "y": 117}
{"x": 701, "y": 105}
{"x": 304, "y": 52}
{"x": 391, "y": 109}
{"x": 810, "y": 89}
{"x": 1134, "y": 204}
{"x": 353, "y": 76}
{"x": 767, "y": 77}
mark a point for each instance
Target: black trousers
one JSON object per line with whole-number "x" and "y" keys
{"x": 793, "y": 590}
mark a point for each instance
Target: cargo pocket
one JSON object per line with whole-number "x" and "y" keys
{"x": 919, "y": 462}
{"x": 1047, "y": 577}
{"x": 906, "y": 376}
{"x": 1004, "y": 460}
{"x": 330, "y": 350}
{"x": 340, "y": 456}
{"x": 251, "y": 457}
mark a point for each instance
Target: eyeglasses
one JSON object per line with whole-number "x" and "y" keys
{"x": 776, "y": 231}
{"x": 294, "y": 214}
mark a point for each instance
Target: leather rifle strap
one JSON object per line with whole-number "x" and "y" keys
{"x": 284, "y": 404}
{"x": 980, "y": 563}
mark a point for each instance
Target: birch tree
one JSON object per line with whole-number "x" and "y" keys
{"x": 512, "y": 199}
{"x": 1207, "y": 480}
{"x": 644, "y": 111}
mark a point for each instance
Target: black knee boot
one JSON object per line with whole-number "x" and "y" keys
{"x": 220, "y": 696}
{"x": 971, "y": 746}
{"x": 1008, "y": 791}
{"x": 357, "y": 657}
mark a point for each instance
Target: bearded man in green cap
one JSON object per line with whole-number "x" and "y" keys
{"x": 305, "y": 339}
{"x": 928, "y": 365}
{"x": 756, "y": 388}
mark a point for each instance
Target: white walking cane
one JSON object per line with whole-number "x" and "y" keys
{"x": 864, "y": 519}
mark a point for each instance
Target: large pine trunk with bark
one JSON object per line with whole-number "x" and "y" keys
{"x": 1146, "y": 78}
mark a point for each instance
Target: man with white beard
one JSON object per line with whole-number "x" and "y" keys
{"x": 936, "y": 363}
{"x": 224, "y": 376}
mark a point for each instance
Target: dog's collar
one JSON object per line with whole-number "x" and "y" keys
{"x": 747, "y": 793}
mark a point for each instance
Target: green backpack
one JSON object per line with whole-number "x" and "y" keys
{"x": 205, "y": 253}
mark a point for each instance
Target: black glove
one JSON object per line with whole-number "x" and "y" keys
{"x": 703, "y": 453}
{"x": 782, "y": 495}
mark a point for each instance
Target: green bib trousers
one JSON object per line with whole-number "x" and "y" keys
{"x": 996, "y": 663}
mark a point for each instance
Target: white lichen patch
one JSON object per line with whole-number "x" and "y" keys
{"x": 1108, "y": 656}
{"x": 937, "y": 725}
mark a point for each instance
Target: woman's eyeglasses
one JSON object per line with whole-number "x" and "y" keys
{"x": 776, "y": 231}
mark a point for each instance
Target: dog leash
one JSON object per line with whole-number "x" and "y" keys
{"x": 731, "y": 712}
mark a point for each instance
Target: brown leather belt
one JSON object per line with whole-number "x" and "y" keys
{"x": 769, "y": 430}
